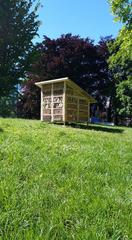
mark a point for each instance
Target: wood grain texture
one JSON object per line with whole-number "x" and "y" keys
{"x": 64, "y": 102}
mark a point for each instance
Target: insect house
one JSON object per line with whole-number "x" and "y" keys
{"x": 62, "y": 100}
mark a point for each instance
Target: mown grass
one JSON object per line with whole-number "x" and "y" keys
{"x": 61, "y": 182}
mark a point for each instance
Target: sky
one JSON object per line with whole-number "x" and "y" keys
{"x": 86, "y": 18}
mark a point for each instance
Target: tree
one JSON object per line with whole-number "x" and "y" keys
{"x": 106, "y": 87}
{"x": 122, "y": 10}
{"x": 67, "y": 56}
{"x": 121, "y": 54}
{"x": 71, "y": 56}
{"x": 28, "y": 105}
{"x": 18, "y": 26}
{"x": 124, "y": 93}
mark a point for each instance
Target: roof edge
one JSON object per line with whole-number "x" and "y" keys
{"x": 40, "y": 84}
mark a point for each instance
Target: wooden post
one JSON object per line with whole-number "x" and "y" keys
{"x": 88, "y": 111}
{"x": 64, "y": 103}
{"x": 41, "y": 105}
{"x": 52, "y": 104}
{"x": 78, "y": 109}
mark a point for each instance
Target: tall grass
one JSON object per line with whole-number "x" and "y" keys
{"x": 64, "y": 183}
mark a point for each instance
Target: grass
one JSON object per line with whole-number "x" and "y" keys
{"x": 64, "y": 183}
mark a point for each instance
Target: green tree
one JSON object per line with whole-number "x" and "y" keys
{"x": 122, "y": 10}
{"x": 124, "y": 93}
{"x": 72, "y": 56}
{"x": 18, "y": 26}
{"x": 121, "y": 55}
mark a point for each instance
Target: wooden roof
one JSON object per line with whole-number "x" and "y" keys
{"x": 70, "y": 82}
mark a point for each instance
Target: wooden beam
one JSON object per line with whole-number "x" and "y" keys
{"x": 88, "y": 111}
{"x": 41, "y": 106}
{"x": 64, "y": 103}
{"x": 52, "y": 95}
{"x": 78, "y": 109}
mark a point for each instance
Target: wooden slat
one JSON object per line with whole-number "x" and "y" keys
{"x": 57, "y": 112}
{"x": 88, "y": 112}
{"x": 71, "y": 106}
{"x": 47, "y": 111}
{"x": 64, "y": 103}
{"x": 83, "y": 111}
{"x": 72, "y": 111}
{"x": 41, "y": 107}
{"x": 58, "y": 99}
{"x": 57, "y": 117}
{"x": 52, "y": 86}
{"x": 47, "y": 118}
{"x": 78, "y": 107}
{"x": 73, "y": 118}
{"x": 69, "y": 95}
{"x": 58, "y": 92}
{"x": 59, "y": 105}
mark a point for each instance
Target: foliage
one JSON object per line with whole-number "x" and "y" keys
{"x": 124, "y": 45}
{"x": 8, "y": 106}
{"x": 122, "y": 10}
{"x": 18, "y": 26}
{"x": 70, "y": 56}
{"x": 124, "y": 93}
{"x": 28, "y": 105}
{"x": 64, "y": 183}
{"x": 107, "y": 82}
{"x": 74, "y": 57}
{"x": 121, "y": 58}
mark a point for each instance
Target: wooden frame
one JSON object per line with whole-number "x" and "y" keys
{"x": 64, "y": 101}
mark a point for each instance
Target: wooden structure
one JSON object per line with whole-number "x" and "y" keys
{"x": 64, "y": 101}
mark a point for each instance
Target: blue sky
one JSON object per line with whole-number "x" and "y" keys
{"x": 87, "y": 18}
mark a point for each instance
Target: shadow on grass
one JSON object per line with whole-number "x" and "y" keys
{"x": 93, "y": 127}
{"x": 1, "y": 130}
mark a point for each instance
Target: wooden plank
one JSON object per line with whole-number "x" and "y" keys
{"x": 58, "y": 117}
{"x": 47, "y": 111}
{"x": 88, "y": 112}
{"x": 58, "y": 92}
{"x": 83, "y": 117}
{"x": 83, "y": 106}
{"x": 71, "y": 106}
{"x": 64, "y": 103}
{"x": 69, "y": 95}
{"x": 78, "y": 109}
{"x": 59, "y": 85}
{"x": 58, "y": 99}
{"x": 83, "y": 101}
{"x": 83, "y": 113}
{"x": 72, "y": 119}
{"x": 52, "y": 89}
{"x": 47, "y": 118}
{"x": 72, "y": 111}
{"x": 47, "y": 97}
{"x": 57, "y": 112}
{"x": 41, "y": 107}
{"x": 72, "y": 100}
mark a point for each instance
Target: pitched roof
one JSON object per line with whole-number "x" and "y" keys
{"x": 66, "y": 79}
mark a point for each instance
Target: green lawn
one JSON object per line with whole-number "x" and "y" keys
{"x": 64, "y": 183}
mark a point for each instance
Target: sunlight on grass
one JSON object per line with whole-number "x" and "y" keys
{"x": 61, "y": 182}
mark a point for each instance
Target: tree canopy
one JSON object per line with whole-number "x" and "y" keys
{"x": 71, "y": 56}
{"x": 18, "y": 26}
{"x": 103, "y": 70}
{"x": 120, "y": 61}
{"x": 122, "y": 10}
